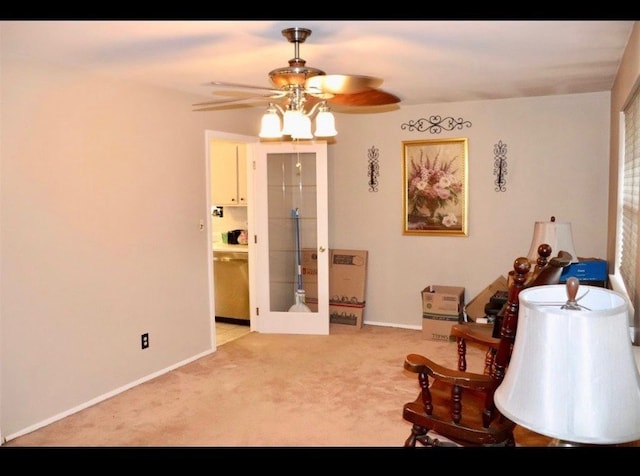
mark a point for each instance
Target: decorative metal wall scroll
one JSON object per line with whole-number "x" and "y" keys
{"x": 373, "y": 168}
{"x": 500, "y": 166}
{"x": 435, "y": 124}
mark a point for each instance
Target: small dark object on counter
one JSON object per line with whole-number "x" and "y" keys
{"x": 232, "y": 236}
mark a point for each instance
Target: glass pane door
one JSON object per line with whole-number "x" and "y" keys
{"x": 291, "y": 218}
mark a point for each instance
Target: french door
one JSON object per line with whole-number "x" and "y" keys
{"x": 291, "y": 237}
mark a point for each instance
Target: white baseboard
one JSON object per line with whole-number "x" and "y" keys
{"x": 101, "y": 398}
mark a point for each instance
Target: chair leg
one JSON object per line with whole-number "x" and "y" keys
{"x": 417, "y": 434}
{"x": 420, "y": 435}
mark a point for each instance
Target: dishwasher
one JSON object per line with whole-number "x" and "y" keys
{"x": 231, "y": 286}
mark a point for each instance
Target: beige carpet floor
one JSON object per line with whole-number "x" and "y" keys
{"x": 261, "y": 390}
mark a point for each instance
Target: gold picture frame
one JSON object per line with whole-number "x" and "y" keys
{"x": 435, "y": 185}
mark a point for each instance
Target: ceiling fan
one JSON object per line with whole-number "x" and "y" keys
{"x": 298, "y": 87}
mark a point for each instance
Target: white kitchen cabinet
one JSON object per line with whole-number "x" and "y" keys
{"x": 241, "y": 150}
{"x": 228, "y": 173}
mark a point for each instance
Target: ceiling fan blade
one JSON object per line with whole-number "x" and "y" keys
{"x": 244, "y": 86}
{"x": 318, "y": 94}
{"x": 341, "y": 84}
{"x": 372, "y": 97}
{"x": 311, "y": 101}
{"x": 213, "y": 105}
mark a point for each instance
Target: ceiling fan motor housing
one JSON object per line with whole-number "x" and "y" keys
{"x": 296, "y": 73}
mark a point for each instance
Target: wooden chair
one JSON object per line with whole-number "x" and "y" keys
{"x": 489, "y": 336}
{"x": 458, "y": 405}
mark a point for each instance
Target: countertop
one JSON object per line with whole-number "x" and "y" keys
{"x": 227, "y": 247}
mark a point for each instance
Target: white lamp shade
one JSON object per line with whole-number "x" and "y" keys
{"x": 572, "y": 374}
{"x": 558, "y": 235}
{"x": 270, "y": 126}
{"x": 290, "y": 121}
{"x": 302, "y": 128}
{"x": 325, "y": 125}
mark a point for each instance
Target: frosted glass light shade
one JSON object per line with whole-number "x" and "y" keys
{"x": 290, "y": 121}
{"x": 325, "y": 125}
{"x": 558, "y": 235}
{"x": 270, "y": 125}
{"x": 302, "y": 129}
{"x": 572, "y": 374}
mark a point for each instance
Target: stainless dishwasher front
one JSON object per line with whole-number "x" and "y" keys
{"x": 231, "y": 284}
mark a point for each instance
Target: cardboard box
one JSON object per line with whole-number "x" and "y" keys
{"x": 347, "y": 284}
{"x": 443, "y": 300}
{"x": 312, "y": 304}
{"x": 351, "y": 315}
{"x": 438, "y": 327}
{"x": 347, "y": 276}
{"x": 475, "y": 308}
{"x": 587, "y": 270}
{"x": 310, "y": 276}
{"x": 442, "y": 306}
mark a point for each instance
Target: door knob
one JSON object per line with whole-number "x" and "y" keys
{"x": 321, "y": 249}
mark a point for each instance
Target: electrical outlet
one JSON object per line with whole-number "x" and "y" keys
{"x": 144, "y": 340}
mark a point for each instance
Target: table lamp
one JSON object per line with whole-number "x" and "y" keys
{"x": 572, "y": 374}
{"x": 556, "y": 234}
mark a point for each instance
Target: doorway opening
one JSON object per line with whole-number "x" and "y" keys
{"x": 229, "y": 209}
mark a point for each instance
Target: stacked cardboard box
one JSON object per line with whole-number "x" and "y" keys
{"x": 442, "y": 306}
{"x": 347, "y": 284}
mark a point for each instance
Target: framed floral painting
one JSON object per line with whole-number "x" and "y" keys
{"x": 435, "y": 187}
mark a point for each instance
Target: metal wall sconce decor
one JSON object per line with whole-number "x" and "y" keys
{"x": 500, "y": 166}
{"x": 373, "y": 168}
{"x": 435, "y": 124}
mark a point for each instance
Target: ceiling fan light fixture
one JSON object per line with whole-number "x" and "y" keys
{"x": 271, "y": 124}
{"x": 296, "y": 123}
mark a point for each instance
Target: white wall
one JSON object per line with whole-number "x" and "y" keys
{"x": 103, "y": 187}
{"x": 557, "y": 156}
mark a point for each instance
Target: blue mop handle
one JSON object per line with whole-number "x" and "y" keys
{"x": 295, "y": 213}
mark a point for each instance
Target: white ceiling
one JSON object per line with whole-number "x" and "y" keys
{"x": 420, "y": 61}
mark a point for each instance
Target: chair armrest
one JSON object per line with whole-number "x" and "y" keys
{"x": 420, "y": 364}
{"x": 550, "y": 274}
{"x": 479, "y": 333}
